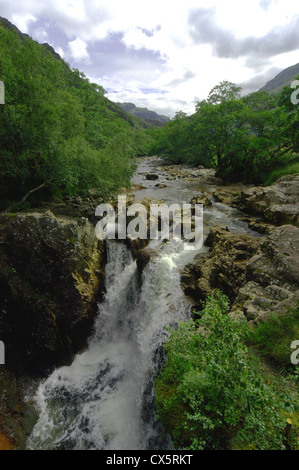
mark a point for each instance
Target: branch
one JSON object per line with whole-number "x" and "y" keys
{"x": 15, "y": 204}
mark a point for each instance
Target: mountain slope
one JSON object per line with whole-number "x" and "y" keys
{"x": 59, "y": 134}
{"x": 281, "y": 80}
{"x": 150, "y": 117}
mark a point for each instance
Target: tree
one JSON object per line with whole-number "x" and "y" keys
{"x": 242, "y": 138}
{"x": 58, "y": 132}
{"x": 225, "y": 91}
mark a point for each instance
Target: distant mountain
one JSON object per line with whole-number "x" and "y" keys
{"x": 281, "y": 80}
{"x": 150, "y": 117}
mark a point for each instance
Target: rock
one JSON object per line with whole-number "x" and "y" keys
{"x": 160, "y": 185}
{"x": 257, "y": 302}
{"x": 151, "y": 176}
{"x": 225, "y": 196}
{"x": 51, "y": 277}
{"x": 278, "y": 261}
{"x": 259, "y": 275}
{"x": 224, "y": 267}
{"x": 260, "y": 226}
{"x": 277, "y": 204}
{"x": 272, "y": 276}
{"x": 144, "y": 256}
{"x": 202, "y": 199}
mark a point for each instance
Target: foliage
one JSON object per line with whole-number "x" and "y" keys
{"x": 243, "y": 138}
{"x": 273, "y": 336}
{"x": 290, "y": 168}
{"x": 59, "y": 128}
{"x": 211, "y": 394}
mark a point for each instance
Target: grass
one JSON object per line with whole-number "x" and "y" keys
{"x": 291, "y": 168}
{"x": 274, "y": 336}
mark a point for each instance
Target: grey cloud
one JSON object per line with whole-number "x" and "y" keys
{"x": 204, "y": 30}
{"x": 72, "y": 26}
{"x": 256, "y": 62}
{"x": 257, "y": 82}
{"x": 187, "y": 76}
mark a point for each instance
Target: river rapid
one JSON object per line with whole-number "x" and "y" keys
{"x": 105, "y": 399}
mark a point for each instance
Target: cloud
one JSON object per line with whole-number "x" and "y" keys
{"x": 187, "y": 76}
{"x": 163, "y": 54}
{"x": 22, "y": 21}
{"x": 224, "y": 44}
{"x": 265, "y": 4}
{"x": 258, "y": 81}
{"x": 78, "y": 49}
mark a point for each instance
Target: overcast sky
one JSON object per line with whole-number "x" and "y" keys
{"x": 165, "y": 54}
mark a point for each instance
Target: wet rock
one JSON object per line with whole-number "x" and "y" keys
{"x": 144, "y": 256}
{"x": 51, "y": 276}
{"x": 224, "y": 267}
{"x": 277, "y": 203}
{"x": 151, "y": 176}
{"x": 202, "y": 199}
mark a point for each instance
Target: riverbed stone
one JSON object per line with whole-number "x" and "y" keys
{"x": 151, "y": 176}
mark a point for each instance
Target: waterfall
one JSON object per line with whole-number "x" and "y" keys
{"x": 105, "y": 398}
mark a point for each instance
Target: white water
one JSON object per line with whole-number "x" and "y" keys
{"x": 105, "y": 399}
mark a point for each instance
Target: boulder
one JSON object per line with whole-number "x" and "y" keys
{"x": 224, "y": 267}
{"x": 202, "y": 199}
{"x": 151, "y": 176}
{"x": 278, "y": 260}
{"x": 51, "y": 277}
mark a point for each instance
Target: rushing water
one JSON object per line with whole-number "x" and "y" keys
{"x": 105, "y": 398}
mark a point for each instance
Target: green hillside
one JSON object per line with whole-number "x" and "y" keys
{"x": 58, "y": 131}
{"x": 281, "y": 80}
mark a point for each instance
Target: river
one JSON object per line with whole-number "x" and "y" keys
{"x": 105, "y": 398}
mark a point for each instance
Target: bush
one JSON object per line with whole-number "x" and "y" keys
{"x": 211, "y": 394}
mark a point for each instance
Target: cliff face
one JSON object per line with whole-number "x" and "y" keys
{"x": 51, "y": 277}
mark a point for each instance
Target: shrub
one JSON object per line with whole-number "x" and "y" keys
{"x": 211, "y": 394}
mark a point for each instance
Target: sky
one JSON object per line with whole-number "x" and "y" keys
{"x": 165, "y": 55}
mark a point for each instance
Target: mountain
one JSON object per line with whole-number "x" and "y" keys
{"x": 150, "y": 117}
{"x": 281, "y": 80}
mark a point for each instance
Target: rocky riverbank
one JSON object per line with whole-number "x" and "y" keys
{"x": 259, "y": 275}
{"x": 52, "y": 271}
